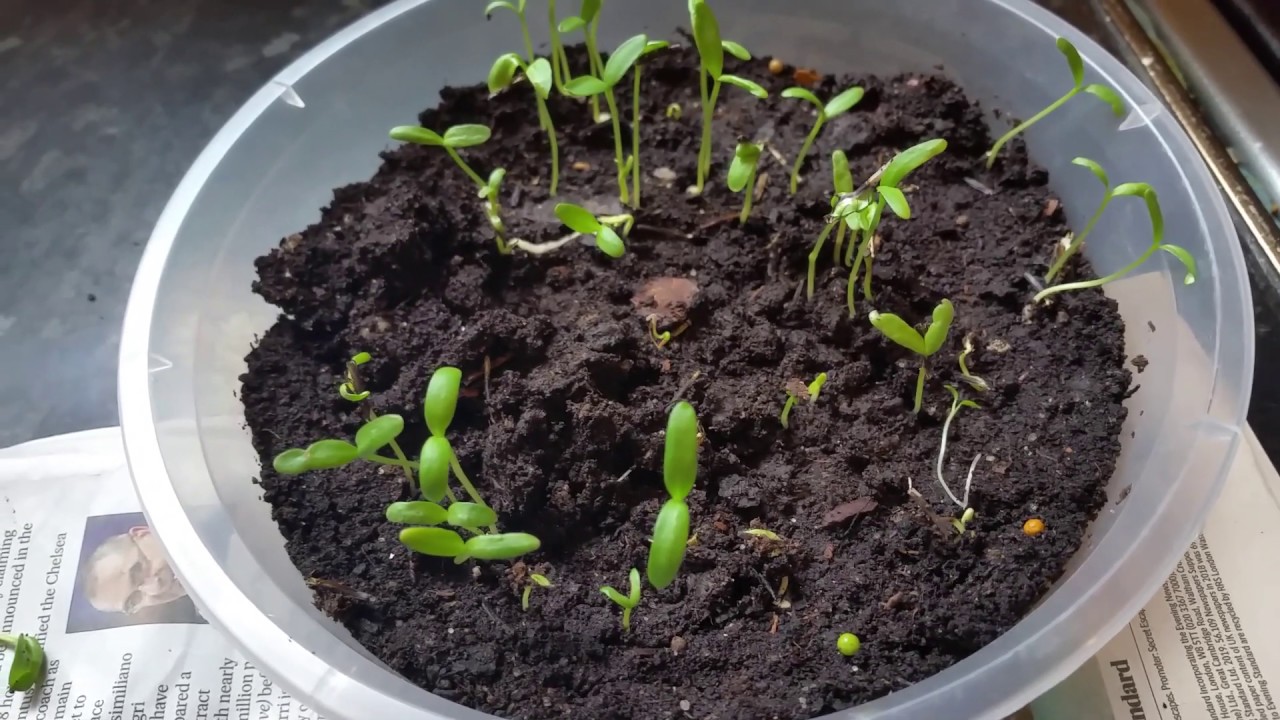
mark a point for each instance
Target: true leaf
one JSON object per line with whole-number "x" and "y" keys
{"x": 670, "y": 539}
{"x": 896, "y": 201}
{"x": 471, "y": 515}
{"x": 326, "y": 454}
{"x": 735, "y": 49}
{"x": 745, "y": 157}
{"x": 416, "y": 134}
{"x": 1108, "y": 96}
{"x": 434, "y": 541}
{"x": 502, "y": 72}
{"x": 842, "y": 103}
{"x": 621, "y": 59}
{"x": 570, "y": 24}
{"x": 539, "y": 74}
{"x": 1148, "y": 194}
{"x": 378, "y": 433}
{"x": 291, "y": 462}
{"x": 503, "y": 546}
{"x": 433, "y": 468}
{"x": 1186, "y": 259}
{"x": 799, "y": 93}
{"x": 936, "y": 333}
{"x": 441, "y": 400}
{"x": 418, "y": 512}
{"x": 585, "y": 86}
{"x": 905, "y": 162}
{"x": 897, "y": 330}
{"x": 462, "y": 136}
{"x": 680, "y": 454}
{"x": 706, "y": 36}
{"x": 609, "y": 243}
{"x": 577, "y": 218}
{"x": 1094, "y": 168}
{"x": 841, "y": 177}
{"x": 745, "y": 84}
{"x": 1073, "y": 60}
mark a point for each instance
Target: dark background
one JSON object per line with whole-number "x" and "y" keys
{"x": 103, "y": 105}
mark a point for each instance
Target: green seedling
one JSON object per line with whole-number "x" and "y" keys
{"x": 559, "y": 59}
{"x": 330, "y": 453}
{"x": 674, "y": 111}
{"x": 711, "y": 75}
{"x": 974, "y": 381}
{"x": 679, "y": 471}
{"x": 967, "y": 513}
{"x": 1076, "y": 65}
{"x": 535, "y": 580}
{"x": 438, "y": 408}
{"x": 28, "y": 661}
{"x": 441, "y": 542}
{"x": 962, "y": 523}
{"x": 742, "y": 174}
{"x": 518, "y": 9}
{"x": 627, "y": 602}
{"x": 455, "y": 138}
{"x": 633, "y": 162}
{"x": 838, "y": 105}
{"x": 1077, "y": 240}
{"x": 1148, "y": 194}
{"x": 588, "y": 21}
{"x": 868, "y": 209}
{"x": 661, "y": 339}
{"x": 580, "y": 220}
{"x": 490, "y": 194}
{"x": 841, "y": 208}
{"x": 352, "y": 389}
{"x": 926, "y": 345}
{"x": 538, "y": 73}
{"x": 620, "y": 61}
{"x": 814, "y": 389}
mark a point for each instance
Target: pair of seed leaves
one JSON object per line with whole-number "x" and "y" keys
{"x": 679, "y": 472}
{"x": 326, "y": 454}
{"x": 580, "y": 220}
{"x": 442, "y": 542}
{"x": 711, "y": 48}
{"x": 897, "y": 329}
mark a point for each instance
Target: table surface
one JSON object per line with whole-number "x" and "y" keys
{"x": 107, "y": 102}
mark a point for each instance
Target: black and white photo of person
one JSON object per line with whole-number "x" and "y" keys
{"x": 124, "y": 578}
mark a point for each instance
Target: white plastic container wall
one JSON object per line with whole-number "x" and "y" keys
{"x": 321, "y": 123}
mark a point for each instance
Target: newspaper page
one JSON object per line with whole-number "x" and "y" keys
{"x": 84, "y": 575}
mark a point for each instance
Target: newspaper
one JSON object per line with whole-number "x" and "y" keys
{"x": 84, "y": 575}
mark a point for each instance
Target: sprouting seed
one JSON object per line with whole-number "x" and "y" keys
{"x": 1076, "y": 65}
{"x": 957, "y": 402}
{"x": 580, "y": 220}
{"x": 535, "y": 580}
{"x": 763, "y": 533}
{"x": 897, "y": 330}
{"x": 814, "y": 388}
{"x": 627, "y": 602}
{"x": 1148, "y": 194}
{"x": 974, "y": 381}
{"x": 838, "y": 105}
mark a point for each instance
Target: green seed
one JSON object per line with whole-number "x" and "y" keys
{"x": 848, "y": 644}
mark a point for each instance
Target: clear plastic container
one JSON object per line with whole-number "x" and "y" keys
{"x": 191, "y": 316}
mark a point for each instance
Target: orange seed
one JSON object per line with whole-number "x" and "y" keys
{"x": 1033, "y": 527}
{"x": 776, "y": 67}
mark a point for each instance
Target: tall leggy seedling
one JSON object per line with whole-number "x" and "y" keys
{"x": 838, "y": 105}
{"x": 711, "y": 75}
{"x": 633, "y": 162}
{"x": 1148, "y": 194}
{"x": 455, "y": 138}
{"x": 926, "y": 345}
{"x": 589, "y": 86}
{"x": 679, "y": 471}
{"x": 742, "y": 174}
{"x": 1102, "y": 92}
{"x": 588, "y": 21}
{"x": 538, "y": 72}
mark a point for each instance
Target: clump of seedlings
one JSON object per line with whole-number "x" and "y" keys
{"x": 742, "y": 174}
{"x": 842, "y": 180}
{"x": 1102, "y": 92}
{"x": 1148, "y": 195}
{"x": 28, "y": 661}
{"x": 926, "y": 345}
{"x": 967, "y": 512}
{"x": 711, "y": 75}
{"x": 580, "y": 220}
{"x": 679, "y": 471}
{"x": 836, "y": 106}
{"x": 620, "y": 61}
{"x": 810, "y": 391}
{"x": 627, "y": 602}
{"x": 538, "y": 73}
{"x": 455, "y": 138}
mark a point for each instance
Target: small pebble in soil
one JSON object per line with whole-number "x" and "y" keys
{"x": 776, "y": 67}
{"x": 685, "y": 705}
{"x": 678, "y": 644}
{"x": 1033, "y": 527}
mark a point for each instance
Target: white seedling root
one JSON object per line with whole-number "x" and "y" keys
{"x": 963, "y": 502}
{"x": 542, "y": 248}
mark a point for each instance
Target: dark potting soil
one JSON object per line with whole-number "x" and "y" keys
{"x": 564, "y": 437}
